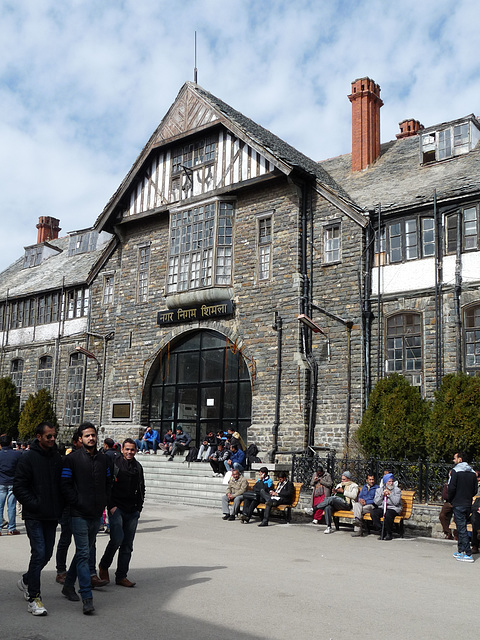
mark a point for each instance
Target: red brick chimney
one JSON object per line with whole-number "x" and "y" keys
{"x": 366, "y": 103}
{"x": 47, "y": 229}
{"x": 409, "y": 127}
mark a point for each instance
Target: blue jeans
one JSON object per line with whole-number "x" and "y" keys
{"x": 6, "y": 494}
{"x": 84, "y": 532}
{"x": 123, "y": 526}
{"x": 461, "y": 516}
{"x": 41, "y": 534}
{"x": 235, "y": 465}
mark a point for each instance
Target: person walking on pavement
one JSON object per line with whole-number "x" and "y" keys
{"x": 462, "y": 487}
{"x": 124, "y": 507}
{"x": 86, "y": 484}
{"x": 9, "y": 458}
{"x": 37, "y": 487}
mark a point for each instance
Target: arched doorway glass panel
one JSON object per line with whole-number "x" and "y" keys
{"x": 201, "y": 383}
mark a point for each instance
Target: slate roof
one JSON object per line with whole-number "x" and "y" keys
{"x": 275, "y": 145}
{"x": 48, "y": 275}
{"x": 264, "y": 138}
{"x": 399, "y": 181}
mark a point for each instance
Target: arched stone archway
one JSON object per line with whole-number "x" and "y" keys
{"x": 199, "y": 382}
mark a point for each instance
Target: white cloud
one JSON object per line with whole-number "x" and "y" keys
{"x": 83, "y": 84}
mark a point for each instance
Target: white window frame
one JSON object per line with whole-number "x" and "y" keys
{"x": 332, "y": 244}
{"x": 264, "y": 247}
{"x": 200, "y": 253}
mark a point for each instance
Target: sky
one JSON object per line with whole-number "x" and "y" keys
{"x": 84, "y": 83}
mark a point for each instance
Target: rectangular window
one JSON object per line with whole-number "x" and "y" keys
{"x": 264, "y": 248}
{"x": 194, "y": 154}
{"x": 470, "y": 228}
{"x": 200, "y": 251}
{"x": 143, "y": 271}
{"x": 411, "y": 243}
{"x": 444, "y": 144}
{"x": 331, "y": 237}
{"x": 380, "y": 254}
{"x": 33, "y": 257}
{"x": 107, "y": 290}
{"x": 451, "y": 141}
{"x": 428, "y": 237}
{"x": 77, "y": 303}
{"x": 395, "y": 237}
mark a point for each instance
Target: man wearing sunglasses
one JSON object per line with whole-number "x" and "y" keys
{"x": 37, "y": 487}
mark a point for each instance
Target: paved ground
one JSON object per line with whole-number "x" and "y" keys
{"x": 200, "y": 578}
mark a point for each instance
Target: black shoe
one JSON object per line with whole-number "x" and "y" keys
{"x": 263, "y": 523}
{"x": 388, "y": 538}
{"x": 231, "y": 518}
{"x": 88, "y": 607}
{"x": 170, "y": 459}
{"x": 225, "y": 516}
{"x": 70, "y": 593}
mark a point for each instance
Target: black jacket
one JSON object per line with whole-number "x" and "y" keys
{"x": 462, "y": 485}
{"x": 128, "y": 490}
{"x": 86, "y": 483}
{"x": 37, "y": 483}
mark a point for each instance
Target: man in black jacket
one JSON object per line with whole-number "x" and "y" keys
{"x": 37, "y": 487}
{"x": 124, "y": 507}
{"x": 462, "y": 486}
{"x": 86, "y": 484}
{"x": 283, "y": 494}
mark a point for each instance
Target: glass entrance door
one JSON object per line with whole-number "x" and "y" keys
{"x": 201, "y": 384}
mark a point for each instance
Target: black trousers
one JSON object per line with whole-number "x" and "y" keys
{"x": 390, "y": 514}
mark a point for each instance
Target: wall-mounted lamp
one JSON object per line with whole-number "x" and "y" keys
{"x": 309, "y": 323}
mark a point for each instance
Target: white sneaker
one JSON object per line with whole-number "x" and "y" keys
{"x": 328, "y": 530}
{"x": 36, "y": 607}
{"x": 314, "y": 521}
{"x": 308, "y": 511}
{"x": 23, "y": 587}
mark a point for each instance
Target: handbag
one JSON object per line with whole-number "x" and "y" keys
{"x": 251, "y": 495}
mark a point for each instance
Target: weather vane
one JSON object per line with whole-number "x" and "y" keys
{"x": 195, "y": 68}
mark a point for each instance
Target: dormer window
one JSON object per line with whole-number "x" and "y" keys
{"x": 33, "y": 256}
{"x": 82, "y": 242}
{"x": 448, "y": 141}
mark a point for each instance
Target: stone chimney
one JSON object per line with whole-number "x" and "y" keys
{"x": 47, "y": 229}
{"x": 366, "y": 103}
{"x": 409, "y": 127}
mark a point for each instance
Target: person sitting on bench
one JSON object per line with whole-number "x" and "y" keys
{"x": 388, "y": 503}
{"x": 282, "y": 494}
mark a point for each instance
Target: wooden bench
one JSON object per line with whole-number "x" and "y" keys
{"x": 286, "y": 509}
{"x": 407, "y": 508}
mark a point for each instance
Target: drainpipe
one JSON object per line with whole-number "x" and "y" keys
{"x": 458, "y": 291}
{"x": 277, "y": 326}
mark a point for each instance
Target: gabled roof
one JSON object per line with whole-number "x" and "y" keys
{"x": 51, "y": 274}
{"x": 399, "y": 181}
{"x": 196, "y": 109}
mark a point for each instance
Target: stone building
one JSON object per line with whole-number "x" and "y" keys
{"x": 233, "y": 282}
{"x": 226, "y": 234}
{"x": 44, "y": 315}
{"x": 421, "y": 191}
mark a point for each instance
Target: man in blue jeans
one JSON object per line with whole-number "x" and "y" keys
{"x": 8, "y": 463}
{"x": 37, "y": 487}
{"x": 126, "y": 503}
{"x": 462, "y": 487}
{"x": 86, "y": 484}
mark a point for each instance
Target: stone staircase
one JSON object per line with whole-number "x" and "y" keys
{"x": 178, "y": 481}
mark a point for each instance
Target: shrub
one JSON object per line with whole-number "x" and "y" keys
{"x": 394, "y": 423}
{"x": 455, "y": 421}
{"x": 38, "y": 407}
{"x": 8, "y": 407}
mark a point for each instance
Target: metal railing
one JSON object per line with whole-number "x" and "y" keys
{"x": 425, "y": 477}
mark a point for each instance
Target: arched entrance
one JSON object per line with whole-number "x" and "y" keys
{"x": 201, "y": 383}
